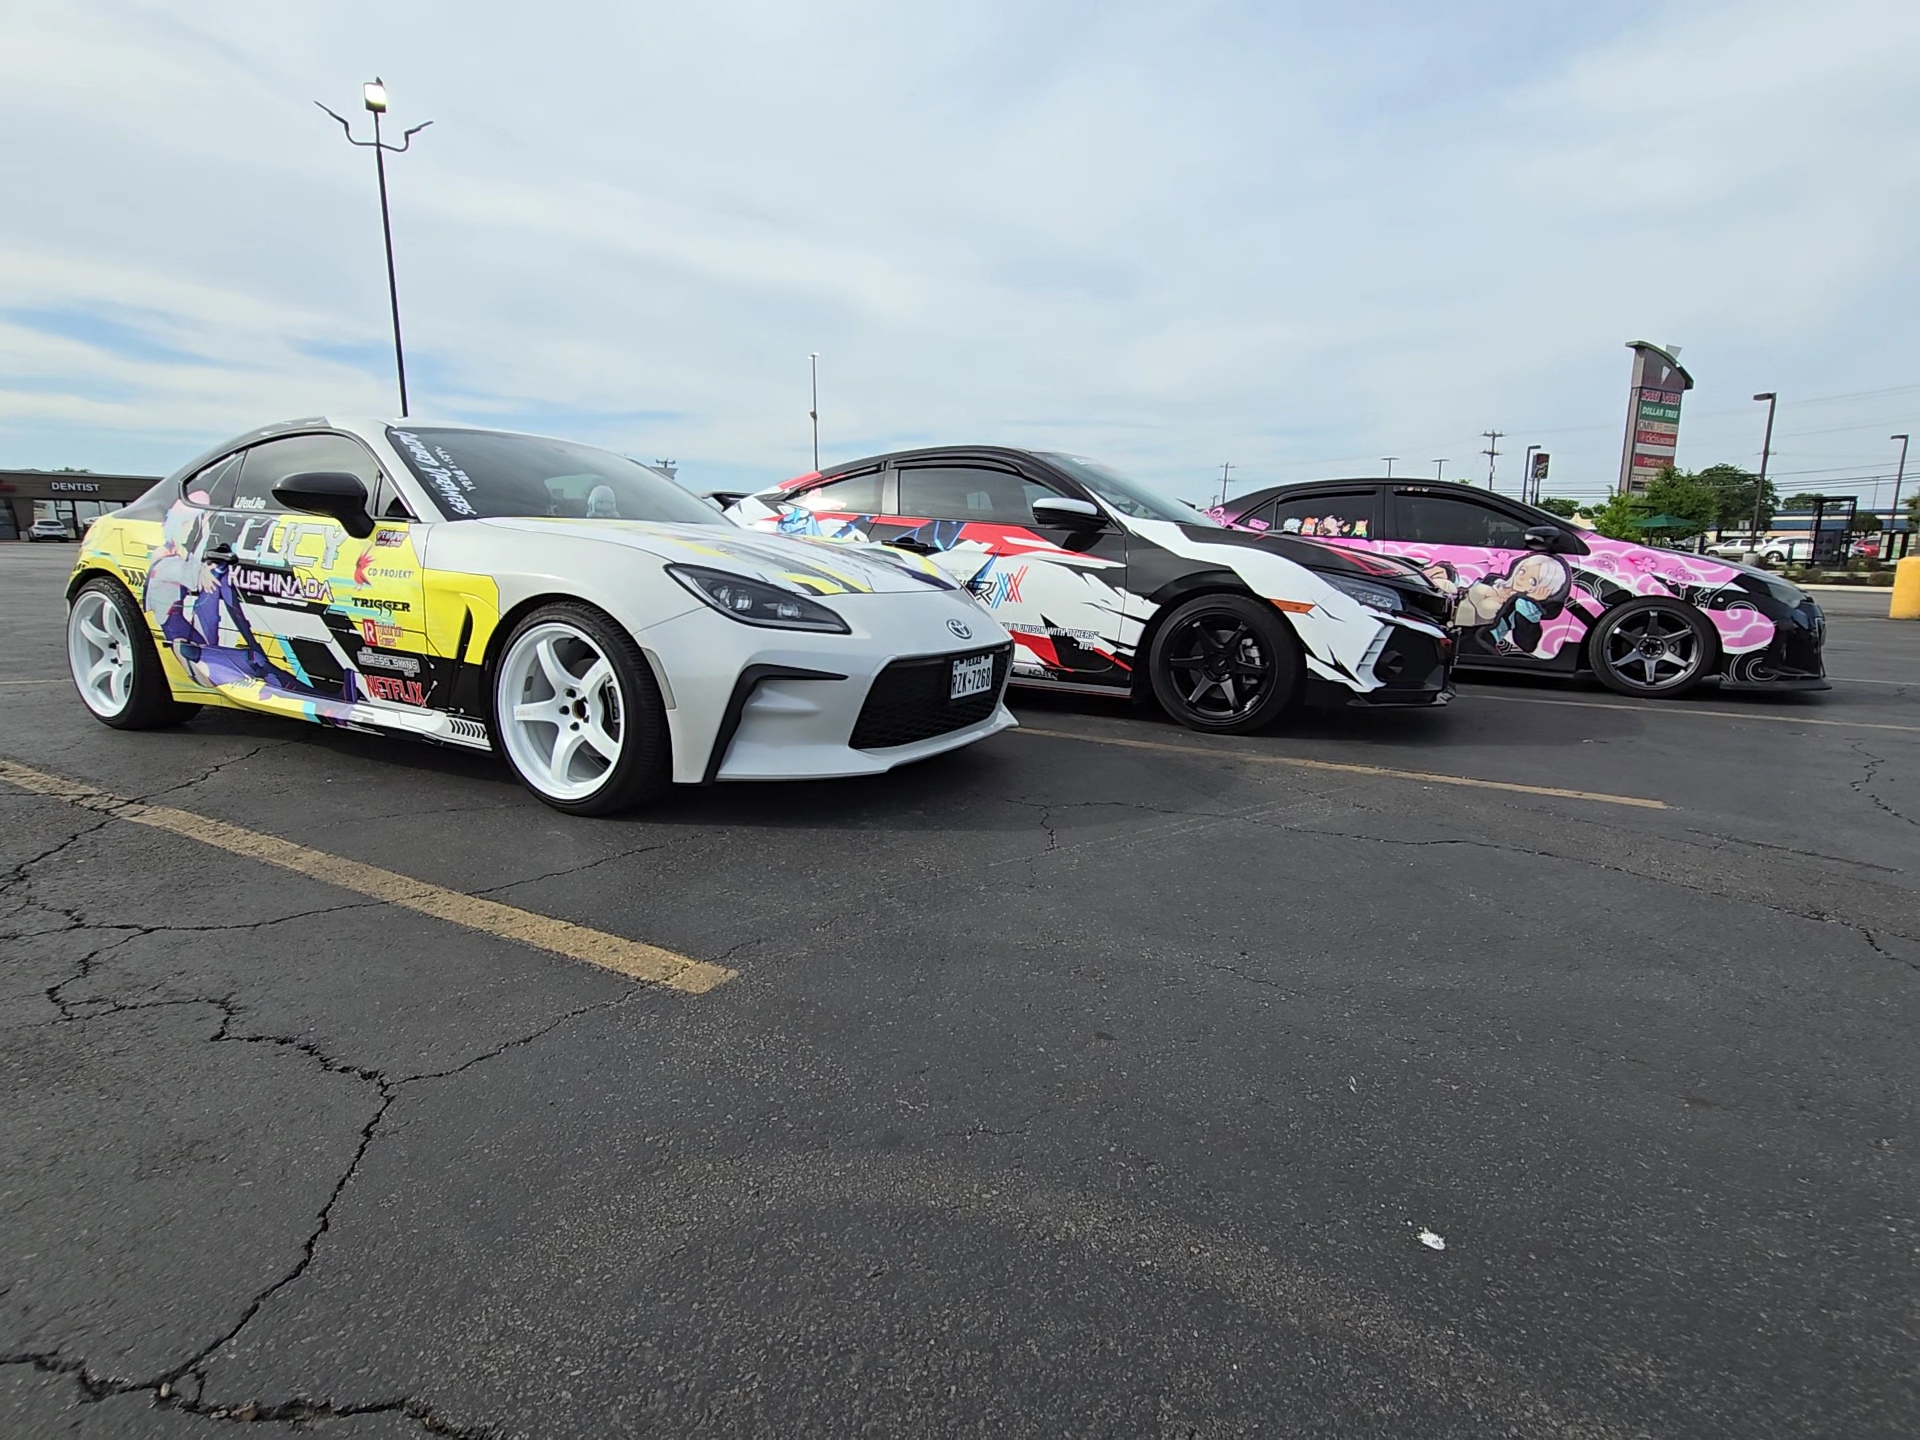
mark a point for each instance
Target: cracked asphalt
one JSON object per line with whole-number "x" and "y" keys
{"x": 1066, "y": 1088}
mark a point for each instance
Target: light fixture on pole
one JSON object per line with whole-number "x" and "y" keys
{"x": 813, "y": 359}
{"x": 1766, "y": 452}
{"x": 375, "y": 96}
{"x": 1439, "y": 469}
{"x": 1492, "y": 452}
{"x": 1893, "y": 510}
{"x": 1389, "y": 459}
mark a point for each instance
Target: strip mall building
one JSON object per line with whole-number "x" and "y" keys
{"x": 73, "y": 498}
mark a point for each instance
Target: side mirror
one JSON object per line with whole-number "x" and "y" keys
{"x": 1547, "y": 539}
{"x": 1068, "y": 514}
{"x": 329, "y": 492}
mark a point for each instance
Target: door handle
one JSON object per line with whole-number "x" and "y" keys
{"x": 917, "y": 547}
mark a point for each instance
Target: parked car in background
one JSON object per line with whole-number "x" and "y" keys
{"x": 1772, "y": 549}
{"x": 603, "y": 629}
{"x": 48, "y": 530}
{"x": 1530, "y": 592}
{"x": 1111, "y": 589}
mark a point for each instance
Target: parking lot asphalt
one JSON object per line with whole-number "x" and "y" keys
{"x": 1102, "y": 1079}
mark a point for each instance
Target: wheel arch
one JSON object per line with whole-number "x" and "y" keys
{"x": 508, "y": 622}
{"x": 1168, "y": 598}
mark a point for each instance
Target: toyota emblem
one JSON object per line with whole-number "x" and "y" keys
{"x": 961, "y": 629}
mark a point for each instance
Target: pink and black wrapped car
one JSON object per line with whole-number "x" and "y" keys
{"x": 1534, "y": 593}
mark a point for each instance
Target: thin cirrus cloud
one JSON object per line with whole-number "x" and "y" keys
{"x": 1291, "y": 237}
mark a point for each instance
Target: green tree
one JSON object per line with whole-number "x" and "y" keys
{"x": 1565, "y": 509}
{"x": 1617, "y": 519}
{"x": 1734, "y": 488}
{"x": 1685, "y": 495}
{"x": 1801, "y": 500}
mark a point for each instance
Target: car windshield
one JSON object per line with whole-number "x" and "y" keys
{"x": 485, "y": 474}
{"x": 1126, "y": 495}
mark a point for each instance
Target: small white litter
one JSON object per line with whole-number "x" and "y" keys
{"x": 1432, "y": 1241}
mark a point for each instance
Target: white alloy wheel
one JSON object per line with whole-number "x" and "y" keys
{"x": 560, "y": 711}
{"x": 101, "y": 654}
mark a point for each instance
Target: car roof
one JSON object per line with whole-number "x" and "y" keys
{"x": 1003, "y": 453}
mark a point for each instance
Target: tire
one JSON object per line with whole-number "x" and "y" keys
{"x": 113, "y": 662}
{"x": 1654, "y": 648}
{"x": 577, "y": 714}
{"x": 1225, "y": 664}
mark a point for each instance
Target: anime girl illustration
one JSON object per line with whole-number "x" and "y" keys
{"x": 1507, "y": 611}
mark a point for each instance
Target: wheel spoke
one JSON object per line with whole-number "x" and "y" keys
{"x": 1206, "y": 684}
{"x": 536, "y": 712}
{"x": 96, "y": 636}
{"x": 558, "y": 676}
{"x": 600, "y": 740}
{"x": 117, "y": 685}
{"x": 598, "y": 674}
{"x": 101, "y": 669}
{"x": 565, "y": 746}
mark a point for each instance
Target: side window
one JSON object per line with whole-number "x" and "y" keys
{"x": 1444, "y": 520}
{"x": 1347, "y": 515}
{"x": 965, "y": 492}
{"x": 213, "y": 486}
{"x": 1258, "y": 518}
{"x": 272, "y": 461}
{"x": 855, "y": 495}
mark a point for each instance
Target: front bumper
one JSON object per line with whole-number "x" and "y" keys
{"x": 759, "y": 704}
{"x": 1792, "y": 660}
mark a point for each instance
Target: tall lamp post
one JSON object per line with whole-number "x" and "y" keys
{"x": 1893, "y": 510}
{"x": 1766, "y": 451}
{"x": 1389, "y": 459}
{"x": 375, "y": 94}
{"x": 813, "y": 359}
{"x": 1439, "y": 469}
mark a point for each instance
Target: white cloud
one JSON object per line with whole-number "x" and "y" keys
{"x": 1168, "y": 235}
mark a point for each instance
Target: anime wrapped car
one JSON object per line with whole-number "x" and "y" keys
{"x": 1531, "y": 592}
{"x": 1109, "y": 589}
{"x": 603, "y": 629}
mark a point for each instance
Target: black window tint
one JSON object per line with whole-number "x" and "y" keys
{"x": 475, "y": 474}
{"x": 1260, "y": 517}
{"x": 269, "y": 463}
{"x": 1444, "y": 520}
{"x": 1348, "y": 515}
{"x": 964, "y": 492}
{"x": 855, "y": 495}
{"x": 213, "y": 486}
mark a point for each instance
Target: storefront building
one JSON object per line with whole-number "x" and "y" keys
{"x": 71, "y": 497}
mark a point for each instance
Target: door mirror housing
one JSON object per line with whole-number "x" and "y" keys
{"x": 333, "y": 493}
{"x": 1549, "y": 540}
{"x": 1067, "y": 513}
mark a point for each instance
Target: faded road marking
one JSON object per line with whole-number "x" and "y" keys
{"x": 1381, "y": 771}
{"x": 542, "y": 932}
{"x": 1677, "y": 708}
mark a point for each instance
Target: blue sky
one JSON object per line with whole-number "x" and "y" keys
{"x": 1299, "y": 238}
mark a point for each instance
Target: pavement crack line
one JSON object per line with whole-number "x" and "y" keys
{"x": 1864, "y": 785}
{"x": 570, "y": 869}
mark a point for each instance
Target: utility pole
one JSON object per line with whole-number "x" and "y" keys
{"x": 375, "y": 94}
{"x": 1760, "y": 487}
{"x": 1492, "y": 452}
{"x": 813, "y": 359}
{"x": 1225, "y": 466}
{"x": 1893, "y": 510}
{"x": 1439, "y": 469}
{"x": 1389, "y": 459}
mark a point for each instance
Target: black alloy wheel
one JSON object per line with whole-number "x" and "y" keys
{"x": 1654, "y": 648}
{"x": 1226, "y": 664}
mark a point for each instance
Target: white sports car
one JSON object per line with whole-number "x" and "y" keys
{"x": 602, "y": 628}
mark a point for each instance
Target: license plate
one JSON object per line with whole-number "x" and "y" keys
{"x": 971, "y": 676}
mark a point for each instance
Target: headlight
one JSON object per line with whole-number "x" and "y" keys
{"x": 754, "y": 602}
{"x": 1374, "y": 597}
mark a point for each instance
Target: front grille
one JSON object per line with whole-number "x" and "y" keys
{"x": 908, "y": 701}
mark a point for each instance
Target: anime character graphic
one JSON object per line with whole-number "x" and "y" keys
{"x": 1508, "y": 611}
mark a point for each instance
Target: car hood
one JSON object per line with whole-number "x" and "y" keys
{"x": 815, "y": 567}
{"x": 1315, "y": 555}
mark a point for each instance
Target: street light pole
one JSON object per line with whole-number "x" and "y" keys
{"x": 1893, "y": 510}
{"x": 1439, "y": 468}
{"x": 1225, "y": 467}
{"x": 375, "y": 94}
{"x": 1766, "y": 451}
{"x": 813, "y": 359}
{"x": 1389, "y": 459}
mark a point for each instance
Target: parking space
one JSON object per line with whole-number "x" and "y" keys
{"x": 1103, "y": 1078}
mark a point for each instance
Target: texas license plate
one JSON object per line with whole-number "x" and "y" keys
{"x": 971, "y": 676}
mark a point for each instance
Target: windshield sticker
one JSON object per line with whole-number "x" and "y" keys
{"x": 437, "y": 468}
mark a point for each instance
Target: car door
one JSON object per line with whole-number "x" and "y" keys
{"x": 1059, "y": 592}
{"x": 308, "y": 619}
{"x": 1514, "y": 605}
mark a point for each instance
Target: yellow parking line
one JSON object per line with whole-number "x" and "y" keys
{"x": 1380, "y": 771}
{"x": 1679, "y": 707}
{"x": 489, "y": 917}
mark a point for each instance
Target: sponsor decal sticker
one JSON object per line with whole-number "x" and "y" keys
{"x": 380, "y": 602}
{"x": 279, "y": 585}
{"x": 438, "y": 469}
{"x": 378, "y": 632}
{"x": 391, "y": 539}
{"x": 405, "y": 692}
{"x": 408, "y": 665}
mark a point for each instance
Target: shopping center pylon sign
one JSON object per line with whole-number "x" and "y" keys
{"x": 1653, "y": 414}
